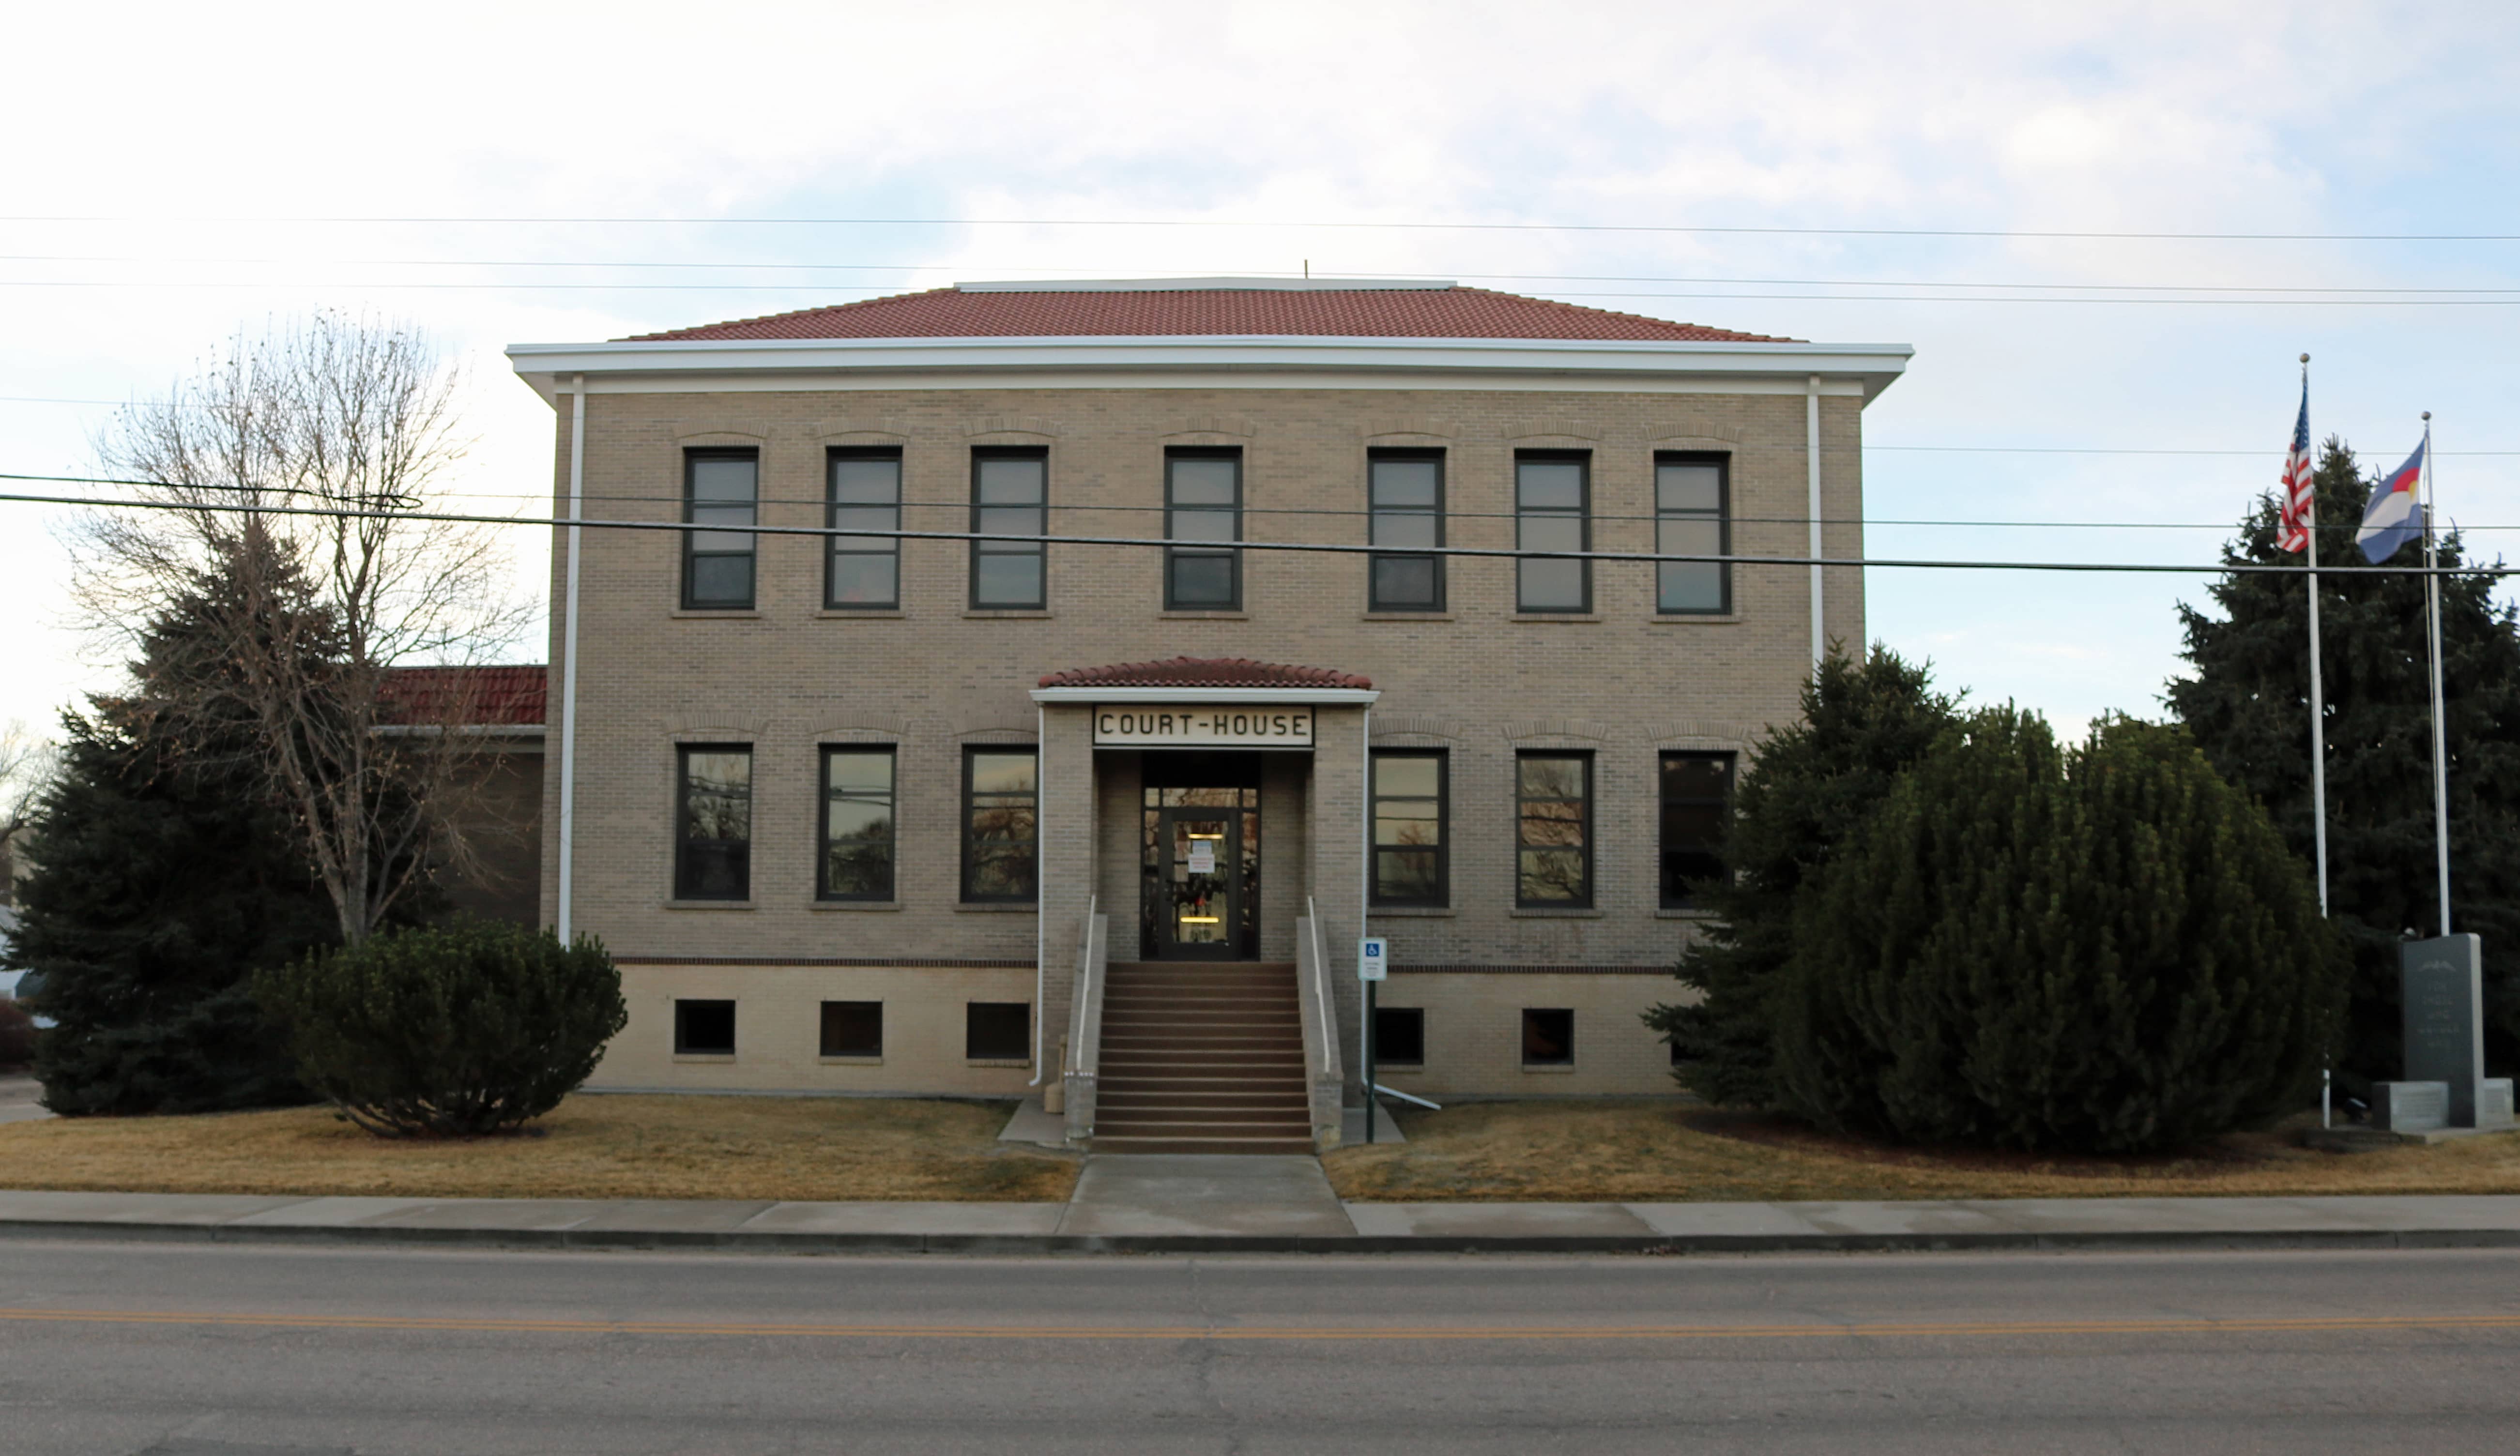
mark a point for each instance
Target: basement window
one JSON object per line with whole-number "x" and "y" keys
{"x": 1399, "y": 1036}
{"x": 1549, "y": 1037}
{"x": 997, "y": 1031}
{"x": 853, "y": 1029}
{"x": 704, "y": 1029}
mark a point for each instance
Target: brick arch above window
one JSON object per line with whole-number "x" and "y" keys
{"x": 1561, "y": 727}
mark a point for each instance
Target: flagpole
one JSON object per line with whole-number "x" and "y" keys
{"x": 2440, "y": 740}
{"x": 2317, "y": 697}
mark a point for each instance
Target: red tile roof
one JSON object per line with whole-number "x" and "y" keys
{"x": 1449, "y": 312}
{"x": 1203, "y": 672}
{"x": 484, "y": 695}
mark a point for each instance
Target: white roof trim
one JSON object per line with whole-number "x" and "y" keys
{"x": 543, "y": 366}
{"x": 1323, "y": 696}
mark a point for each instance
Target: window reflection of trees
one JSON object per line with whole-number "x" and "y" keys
{"x": 1553, "y": 867}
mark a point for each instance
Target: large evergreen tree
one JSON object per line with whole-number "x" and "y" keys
{"x": 2106, "y": 950}
{"x": 1865, "y": 721}
{"x": 2248, "y": 707}
{"x": 162, "y": 880}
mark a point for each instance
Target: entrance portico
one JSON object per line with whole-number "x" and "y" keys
{"x": 1199, "y": 808}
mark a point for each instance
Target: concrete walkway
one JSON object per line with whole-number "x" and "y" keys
{"x": 1183, "y": 1203}
{"x": 18, "y": 1102}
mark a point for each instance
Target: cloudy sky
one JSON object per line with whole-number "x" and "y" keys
{"x": 512, "y": 172}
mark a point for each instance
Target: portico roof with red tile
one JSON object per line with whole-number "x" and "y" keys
{"x": 1214, "y": 307}
{"x": 1204, "y": 671}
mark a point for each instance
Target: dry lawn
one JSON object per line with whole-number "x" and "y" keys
{"x": 1617, "y": 1152}
{"x": 821, "y": 1148}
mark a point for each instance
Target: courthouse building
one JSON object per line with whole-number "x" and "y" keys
{"x": 1045, "y": 686}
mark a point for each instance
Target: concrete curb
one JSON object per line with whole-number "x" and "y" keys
{"x": 1036, "y": 1245}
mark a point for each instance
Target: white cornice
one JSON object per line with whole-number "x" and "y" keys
{"x": 1325, "y": 696}
{"x": 810, "y": 362}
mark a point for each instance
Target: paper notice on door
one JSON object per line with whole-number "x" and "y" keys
{"x": 1202, "y": 856}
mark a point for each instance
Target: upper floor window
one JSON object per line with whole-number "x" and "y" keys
{"x": 713, "y": 822}
{"x": 1409, "y": 852}
{"x": 1009, "y": 496}
{"x": 1404, "y": 490}
{"x": 1554, "y": 830}
{"x": 1552, "y": 492}
{"x": 857, "y": 824}
{"x": 1696, "y": 791}
{"x": 863, "y": 572}
{"x": 1202, "y": 504}
{"x": 1001, "y": 823}
{"x": 1693, "y": 516}
{"x": 721, "y": 489}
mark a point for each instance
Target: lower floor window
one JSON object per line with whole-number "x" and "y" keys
{"x": 1399, "y": 1036}
{"x": 1549, "y": 1037}
{"x": 853, "y": 1029}
{"x": 997, "y": 1031}
{"x": 705, "y": 1027}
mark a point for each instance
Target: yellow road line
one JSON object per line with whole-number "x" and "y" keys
{"x": 2164, "y": 1326}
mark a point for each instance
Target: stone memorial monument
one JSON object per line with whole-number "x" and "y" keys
{"x": 2442, "y": 993}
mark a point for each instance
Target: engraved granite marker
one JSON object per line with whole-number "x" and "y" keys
{"x": 2442, "y": 990}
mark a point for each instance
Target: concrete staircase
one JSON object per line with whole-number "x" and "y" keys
{"x": 1202, "y": 1058}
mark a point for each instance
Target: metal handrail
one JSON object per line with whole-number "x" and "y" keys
{"x": 1081, "y": 998}
{"x": 1321, "y": 990}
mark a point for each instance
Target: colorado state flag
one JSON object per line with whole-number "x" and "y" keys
{"x": 2395, "y": 514}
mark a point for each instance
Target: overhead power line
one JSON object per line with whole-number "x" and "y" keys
{"x": 1278, "y": 225}
{"x": 802, "y": 287}
{"x": 2226, "y": 568}
{"x": 1449, "y": 274}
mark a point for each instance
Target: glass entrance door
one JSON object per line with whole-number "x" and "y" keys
{"x": 1199, "y": 856}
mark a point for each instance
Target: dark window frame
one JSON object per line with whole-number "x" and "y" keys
{"x": 1584, "y": 822}
{"x": 1568, "y": 1060}
{"x": 1583, "y": 514}
{"x": 1443, "y": 896}
{"x": 970, "y": 754}
{"x": 683, "y": 1046}
{"x": 684, "y": 872}
{"x": 971, "y": 1052}
{"x": 1383, "y": 1055}
{"x": 1038, "y": 551}
{"x": 692, "y": 458}
{"x": 824, "y": 1030}
{"x": 837, "y": 547}
{"x": 1663, "y": 800}
{"x": 822, "y": 825}
{"x": 1723, "y": 515}
{"x": 1373, "y": 515}
{"x": 1233, "y": 555}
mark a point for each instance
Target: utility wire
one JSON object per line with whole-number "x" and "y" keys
{"x": 1273, "y": 224}
{"x": 803, "y": 287}
{"x": 1428, "y": 275}
{"x": 1341, "y": 511}
{"x": 2226, "y": 568}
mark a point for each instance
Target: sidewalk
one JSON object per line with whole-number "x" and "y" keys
{"x": 1255, "y": 1205}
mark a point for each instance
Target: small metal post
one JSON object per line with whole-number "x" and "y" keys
{"x": 1368, "y": 1061}
{"x": 2326, "y": 1117}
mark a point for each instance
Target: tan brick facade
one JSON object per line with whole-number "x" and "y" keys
{"x": 1479, "y": 681}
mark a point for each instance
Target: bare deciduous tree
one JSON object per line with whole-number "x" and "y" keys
{"x": 310, "y": 612}
{"x": 27, "y": 765}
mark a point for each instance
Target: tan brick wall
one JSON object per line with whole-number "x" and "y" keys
{"x": 934, "y": 679}
{"x": 778, "y": 1030}
{"x": 1474, "y": 1034}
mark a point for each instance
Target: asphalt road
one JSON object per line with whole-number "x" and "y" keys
{"x": 251, "y": 1351}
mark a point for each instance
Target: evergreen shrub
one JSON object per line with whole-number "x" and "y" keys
{"x": 1865, "y": 721}
{"x": 453, "y": 1030}
{"x": 2103, "y": 950}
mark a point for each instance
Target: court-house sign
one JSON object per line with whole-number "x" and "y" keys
{"x": 1138, "y": 725}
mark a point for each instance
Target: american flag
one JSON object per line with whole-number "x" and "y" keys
{"x": 2293, "y": 521}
